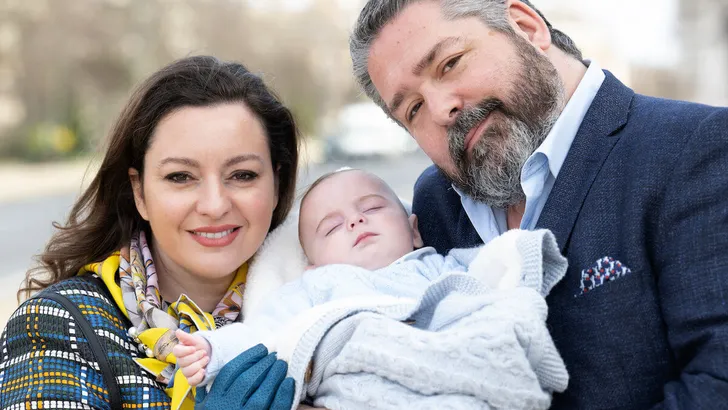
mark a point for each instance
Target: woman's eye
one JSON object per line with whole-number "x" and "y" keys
{"x": 178, "y": 177}
{"x": 450, "y": 64}
{"x": 413, "y": 111}
{"x": 244, "y": 175}
{"x": 333, "y": 229}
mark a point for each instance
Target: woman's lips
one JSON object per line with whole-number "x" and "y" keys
{"x": 215, "y": 237}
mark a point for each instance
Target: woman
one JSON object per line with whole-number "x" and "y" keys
{"x": 201, "y": 165}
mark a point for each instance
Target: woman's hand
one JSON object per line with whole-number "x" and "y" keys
{"x": 253, "y": 380}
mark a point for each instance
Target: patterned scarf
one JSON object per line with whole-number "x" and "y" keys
{"x": 154, "y": 321}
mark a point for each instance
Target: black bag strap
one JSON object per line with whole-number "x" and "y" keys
{"x": 97, "y": 348}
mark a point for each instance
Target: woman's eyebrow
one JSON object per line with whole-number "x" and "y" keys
{"x": 179, "y": 160}
{"x": 242, "y": 158}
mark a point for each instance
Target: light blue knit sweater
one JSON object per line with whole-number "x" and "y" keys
{"x": 423, "y": 332}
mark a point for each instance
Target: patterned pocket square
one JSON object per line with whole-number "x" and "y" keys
{"x": 605, "y": 270}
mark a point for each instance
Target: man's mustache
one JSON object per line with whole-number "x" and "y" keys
{"x": 471, "y": 117}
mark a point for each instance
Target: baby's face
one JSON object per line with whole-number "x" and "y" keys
{"x": 354, "y": 218}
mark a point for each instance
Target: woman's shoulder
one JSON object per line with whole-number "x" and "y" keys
{"x": 81, "y": 295}
{"x": 76, "y": 326}
{"x": 62, "y": 314}
{"x": 85, "y": 293}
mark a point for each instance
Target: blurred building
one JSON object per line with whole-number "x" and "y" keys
{"x": 67, "y": 66}
{"x": 668, "y": 48}
{"x": 12, "y": 110}
{"x": 704, "y": 40}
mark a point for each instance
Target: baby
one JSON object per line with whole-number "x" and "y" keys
{"x": 359, "y": 240}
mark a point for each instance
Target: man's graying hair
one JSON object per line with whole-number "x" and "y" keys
{"x": 377, "y": 13}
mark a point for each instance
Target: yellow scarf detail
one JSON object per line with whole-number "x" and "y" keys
{"x": 160, "y": 340}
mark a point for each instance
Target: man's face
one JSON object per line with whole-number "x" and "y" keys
{"x": 478, "y": 101}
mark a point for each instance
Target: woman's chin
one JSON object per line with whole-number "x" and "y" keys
{"x": 217, "y": 270}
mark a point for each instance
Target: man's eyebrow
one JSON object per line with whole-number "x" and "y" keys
{"x": 432, "y": 55}
{"x": 421, "y": 66}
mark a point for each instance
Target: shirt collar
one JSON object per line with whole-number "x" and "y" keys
{"x": 558, "y": 141}
{"x": 416, "y": 254}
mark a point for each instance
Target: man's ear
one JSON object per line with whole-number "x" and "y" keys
{"x": 417, "y": 238}
{"x": 138, "y": 189}
{"x": 528, "y": 24}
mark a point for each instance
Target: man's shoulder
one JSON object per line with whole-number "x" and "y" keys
{"x": 660, "y": 132}
{"x": 671, "y": 119}
{"x": 432, "y": 179}
{"x": 434, "y": 195}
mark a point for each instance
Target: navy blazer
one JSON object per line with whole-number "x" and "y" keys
{"x": 645, "y": 184}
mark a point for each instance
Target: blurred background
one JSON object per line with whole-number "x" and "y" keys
{"x": 66, "y": 68}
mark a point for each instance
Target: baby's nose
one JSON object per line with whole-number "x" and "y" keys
{"x": 359, "y": 220}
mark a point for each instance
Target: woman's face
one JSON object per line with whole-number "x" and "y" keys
{"x": 208, "y": 190}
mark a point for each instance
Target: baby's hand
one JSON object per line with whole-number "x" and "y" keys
{"x": 193, "y": 355}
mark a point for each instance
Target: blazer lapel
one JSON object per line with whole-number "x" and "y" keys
{"x": 598, "y": 134}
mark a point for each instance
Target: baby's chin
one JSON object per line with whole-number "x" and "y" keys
{"x": 370, "y": 257}
{"x": 379, "y": 261}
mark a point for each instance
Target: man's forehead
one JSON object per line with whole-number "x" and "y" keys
{"x": 403, "y": 42}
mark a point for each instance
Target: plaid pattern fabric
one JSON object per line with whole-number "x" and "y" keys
{"x": 47, "y": 363}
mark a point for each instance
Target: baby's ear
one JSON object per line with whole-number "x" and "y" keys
{"x": 416, "y": 237}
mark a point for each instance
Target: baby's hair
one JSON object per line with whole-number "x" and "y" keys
{"x": 328, "y": 175}
{"x": 321, "y": 179}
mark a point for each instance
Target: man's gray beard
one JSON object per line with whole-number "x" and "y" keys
{"x": 492, "y": 172}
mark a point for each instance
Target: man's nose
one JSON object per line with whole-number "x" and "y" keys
{"x": 445, "y": 106}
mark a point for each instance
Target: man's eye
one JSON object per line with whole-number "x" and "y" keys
{"x": 178, "y": 177}
{"x": 413, "y": 111}
{"x": 450, "y": 64}
{"x": 333, "y": 229}
{"x": 244, "y": 175}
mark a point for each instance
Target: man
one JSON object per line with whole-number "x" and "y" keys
{"x": 524, "y": 134}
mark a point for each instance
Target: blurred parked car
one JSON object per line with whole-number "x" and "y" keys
{"x": 363, "y": 130}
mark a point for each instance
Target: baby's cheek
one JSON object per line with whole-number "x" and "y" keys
{"x": 335, "y": 252}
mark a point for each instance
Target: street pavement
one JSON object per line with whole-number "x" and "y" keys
{"x": 26, "y": 223}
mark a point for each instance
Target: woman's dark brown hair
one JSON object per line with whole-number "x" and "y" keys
{"x": 104, "y": 217}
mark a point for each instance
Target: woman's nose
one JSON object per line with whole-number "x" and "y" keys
{"x": 214, "y": 200}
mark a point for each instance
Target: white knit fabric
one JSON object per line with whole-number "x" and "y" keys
{"x": 475, "y": 343}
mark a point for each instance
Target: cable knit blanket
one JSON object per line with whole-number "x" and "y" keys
{"x": 469, "y": 342}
